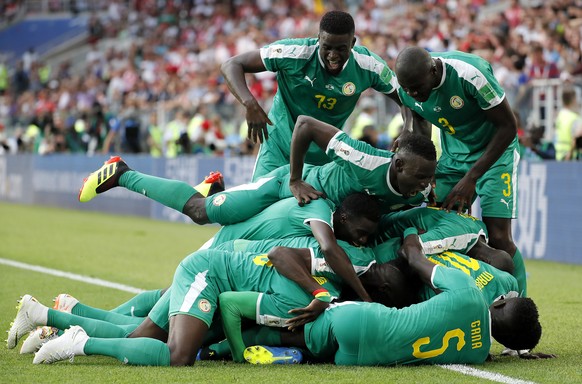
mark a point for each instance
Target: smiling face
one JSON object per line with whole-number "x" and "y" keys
{"x": 413, "y": 174}
{"x": 335, "y": 50}
{"x": 355, "y": 230}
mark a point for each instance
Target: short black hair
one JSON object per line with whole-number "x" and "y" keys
{"x": 526, "y": 329}
{"x": 419, "y": 145}
{"x": 362, "y": 205}
{"x": 337, "y": 23}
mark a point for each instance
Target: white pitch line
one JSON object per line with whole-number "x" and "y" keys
{"x": 71, "y": 276}
{"x": 122, "y": 287}
{"x": 498, "y": 377}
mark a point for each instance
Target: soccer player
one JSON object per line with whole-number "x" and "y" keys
{"x": 441, "y": 231}
{"x": 452, "y": 327}
{"x": 458, "y": 93}
{"x": 397, "y": 179}
{"x": 321, "y": 77}
{"x": 187, "y": 309}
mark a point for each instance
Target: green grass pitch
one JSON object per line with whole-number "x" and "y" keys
{"x": 144, "y": 253}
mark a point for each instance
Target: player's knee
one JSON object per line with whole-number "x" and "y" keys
{"x": 180, "y": 357}
{"x": 195, "y": 209}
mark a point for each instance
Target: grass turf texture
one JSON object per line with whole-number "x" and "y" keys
{"x": 144, "y": 253}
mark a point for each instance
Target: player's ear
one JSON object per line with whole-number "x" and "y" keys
{"x": 399, "y": 163}
{"x": 353, "y": 41}
{"x": 343, "y": 218}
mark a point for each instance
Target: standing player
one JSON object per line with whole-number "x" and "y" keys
{"x": 321, "y": 77}
{"x": 458, "y": 93}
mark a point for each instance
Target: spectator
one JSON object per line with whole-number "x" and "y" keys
{"x": 568, "y": 126}
{"x": 533, "y": 146}
{"x": 365, "y": 118}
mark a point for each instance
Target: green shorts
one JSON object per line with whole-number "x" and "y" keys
{"x": 159, "y": 313}
{"x": 497, "y": 188}
{"x": 242, "y": 202}
{"x": 193, "y": 292}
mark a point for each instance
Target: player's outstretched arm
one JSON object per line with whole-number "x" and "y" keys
{"x": 234, "y": 70}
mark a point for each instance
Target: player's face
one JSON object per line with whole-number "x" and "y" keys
{"x": 414, "y": 175}
{"x": 418, "y": 82}
{"x": 356, "y": 230}
{"x": 334, "y": 51}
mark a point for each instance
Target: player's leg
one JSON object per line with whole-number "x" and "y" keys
{"x": 76, "y": 342}
{"x": 171, "y": 193}
{"x": 32, "y": 314}
{"x": 492, "y": 256}
{"x": 67, "y": 303}
{"x": 185, "y": 339}
{"x": 241, "y": 202}
{"x": 497, "y": 190}
{"x": 141, "y": 304}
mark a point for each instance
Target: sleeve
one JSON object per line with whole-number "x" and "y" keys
{"x": 357, "y": 158}
{"x": 361, "y": 258}
{"x": 489, "y": 92}
{"x": 286, "y": 54}
{"x": 383, "y": 78}
{"x": 233, "y": 307}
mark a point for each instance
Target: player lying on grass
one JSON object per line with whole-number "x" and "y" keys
{"x": 458, "y": 232}
{"x": 493, "y": 283}
{"x": 186, "y": 310}
{"x": 452, "y": 327}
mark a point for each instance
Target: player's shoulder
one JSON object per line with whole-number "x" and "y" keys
{"x": 293, "y": 48}
{"x": 461, "y": 61}
{"x": 308, "y": 41}
{"x": 364, "y": 57}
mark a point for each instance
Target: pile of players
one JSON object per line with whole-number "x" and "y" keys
{"x": 329, "y": 255}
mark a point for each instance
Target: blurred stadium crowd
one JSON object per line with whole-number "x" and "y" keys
{"x": 151, "y": 81}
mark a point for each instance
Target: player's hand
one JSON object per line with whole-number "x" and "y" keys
{"x": 257, "y": 121}
{"x": 410, "y": 248}
{"x": 304, "y": 192}
{"x": 306, "y": 314}
{"x": 536, "y": 355}
{"x": 432, "y": 197}
{"x": 460, "y": 196}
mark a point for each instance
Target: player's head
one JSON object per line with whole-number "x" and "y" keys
{"x": 515, "y": 323}
{"x": 392, "y": 284}
{"x": 416, "y": 72}
{"x": 356, "y": 219}
{"x": 336, "y": 39}
{"x": 413, "y": 165}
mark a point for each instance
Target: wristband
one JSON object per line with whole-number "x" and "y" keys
{"x": 322, "y": 294}
{"x": 410, "y": 231}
